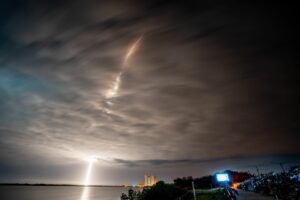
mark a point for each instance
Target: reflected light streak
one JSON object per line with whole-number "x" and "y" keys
{"x": 85, "y": 193}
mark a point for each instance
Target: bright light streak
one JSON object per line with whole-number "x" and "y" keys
{"x": 113, "y": 91}
{"x": 132, "y": 49}
{"x": 85, "y": 193}
{"x": 89, "y": 171}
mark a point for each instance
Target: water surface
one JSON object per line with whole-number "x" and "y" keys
{"x": 60, "y": 193}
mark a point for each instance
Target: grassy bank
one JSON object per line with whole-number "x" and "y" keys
{"x": 210, "y": 194}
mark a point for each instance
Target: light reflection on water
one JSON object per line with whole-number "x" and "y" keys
{"x": 85, "y": 193}
{"x": 60, "y": 193}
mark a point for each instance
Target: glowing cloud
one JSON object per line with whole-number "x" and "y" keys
{"x": 112, "y": 92}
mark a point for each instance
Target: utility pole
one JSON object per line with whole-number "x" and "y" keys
{"x": 257, "y": 169}
{"x": 194, "y": 192}
{"x": 281, "y": 165}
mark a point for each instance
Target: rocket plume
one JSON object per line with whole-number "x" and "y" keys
{"x": 113, "y": 90}
{"x": 133, "y": 48}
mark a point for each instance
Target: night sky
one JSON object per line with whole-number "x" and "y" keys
{"x": 172, "y": 89}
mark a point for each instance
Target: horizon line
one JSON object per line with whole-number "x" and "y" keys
{"x": 54, "y": 184}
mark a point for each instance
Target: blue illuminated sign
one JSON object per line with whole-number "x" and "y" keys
{"x": 222, "y": 177}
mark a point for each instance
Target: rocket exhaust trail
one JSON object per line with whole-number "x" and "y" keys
{"x": 113, "y": 90}
{"x": 132, "y": 50}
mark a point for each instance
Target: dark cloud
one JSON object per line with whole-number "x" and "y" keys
{"x": 259, "y": 161}
{"x": 209, "y": 82}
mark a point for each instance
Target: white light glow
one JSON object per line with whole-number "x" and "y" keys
{"x": 222, "y": 177}
{"x": 112, "y": 92}
{"x": 85, "y": 193}
{"x": 89, "y": 170}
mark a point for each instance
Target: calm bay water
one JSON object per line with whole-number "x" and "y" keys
{"x": 60, "y": 193}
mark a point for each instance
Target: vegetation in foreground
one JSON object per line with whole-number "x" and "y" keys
{"x": 214, "y": 194}
{"x": 207, "y": 189}
{"x": 208, "y": 182}
{"x": 160, "y": 191}
{"x": 163, "y": 191}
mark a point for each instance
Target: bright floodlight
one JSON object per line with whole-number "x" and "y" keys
{"x": 222, "y": 177}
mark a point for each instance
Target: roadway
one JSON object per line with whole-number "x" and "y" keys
{"x": 243, "y": 195}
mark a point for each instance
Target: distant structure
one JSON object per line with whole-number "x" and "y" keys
{"x": 149, "y": 180}
{"x": 140, "y": 185}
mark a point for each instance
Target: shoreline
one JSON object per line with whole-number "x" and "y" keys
{"x": 65, "y": 185}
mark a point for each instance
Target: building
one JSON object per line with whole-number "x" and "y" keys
{"x": 140, "y": 185}
{"x": 150, "y": 180}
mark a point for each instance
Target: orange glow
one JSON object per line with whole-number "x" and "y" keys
{"x": 140, "y": 185}
{"x": 235, "y": 185}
